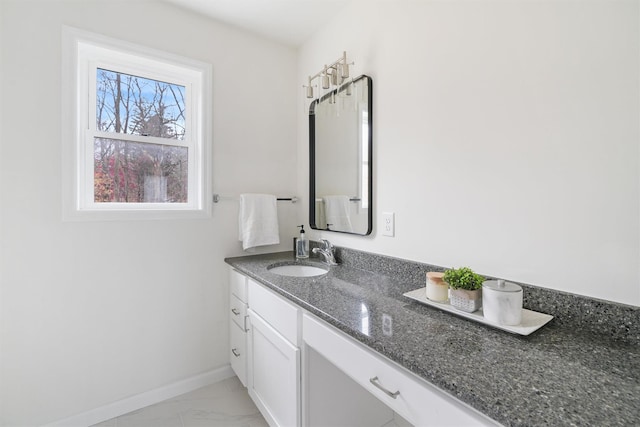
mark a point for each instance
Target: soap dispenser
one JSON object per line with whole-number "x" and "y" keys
{"x": 302, "y": 244}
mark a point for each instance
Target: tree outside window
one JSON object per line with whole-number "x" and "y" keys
{"x": 137, "y": 172}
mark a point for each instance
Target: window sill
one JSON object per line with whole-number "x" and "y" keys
{"x": 134, "y": 215}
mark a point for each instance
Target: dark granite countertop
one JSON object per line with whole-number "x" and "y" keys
{"x": 558, "y": 376}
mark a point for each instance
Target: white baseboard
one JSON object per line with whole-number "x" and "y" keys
{"x": 142, "y": 400}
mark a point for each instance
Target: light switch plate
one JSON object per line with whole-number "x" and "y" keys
{"x": 388, "y": 224}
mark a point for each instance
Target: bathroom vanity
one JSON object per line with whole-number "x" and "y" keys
{"x": 346, "y": 348}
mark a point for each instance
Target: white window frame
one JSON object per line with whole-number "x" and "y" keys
{"x": 83, "y": 54}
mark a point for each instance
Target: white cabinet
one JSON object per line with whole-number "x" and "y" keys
{"x": 274, "y": 366}
{"x": 274, "y": 356}
{"x": 238, "y": 324}
{"x": 264, "y": 336}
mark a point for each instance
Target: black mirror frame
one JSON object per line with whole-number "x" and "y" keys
{"x": 312, "y": 160}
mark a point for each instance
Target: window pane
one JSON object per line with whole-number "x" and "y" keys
{"x": 134, "y": 172}
{"x": 139, "y": 106}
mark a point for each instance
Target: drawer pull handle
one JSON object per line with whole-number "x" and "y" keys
{"x": 235, "y": 311}
{"x": 235, "y": 352}
{"x": 376, "y": 382}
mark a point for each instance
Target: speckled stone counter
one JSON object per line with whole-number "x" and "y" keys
{"x": 581, "y": 369}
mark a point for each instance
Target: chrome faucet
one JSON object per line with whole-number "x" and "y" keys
{"x": 326, "y": 250}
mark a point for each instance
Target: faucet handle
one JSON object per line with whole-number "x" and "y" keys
{"x": 326, "y": 245}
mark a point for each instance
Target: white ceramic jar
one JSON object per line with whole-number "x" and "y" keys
{"x": 437, "y": 288}
{"x": 502, "y": 302}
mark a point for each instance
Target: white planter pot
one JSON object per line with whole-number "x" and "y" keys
{"x": 464, "y": 300}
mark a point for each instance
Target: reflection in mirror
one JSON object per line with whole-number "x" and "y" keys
{"x": 340, "y": 143}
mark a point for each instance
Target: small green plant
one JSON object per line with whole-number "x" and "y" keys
{"x": 463, "y": 278}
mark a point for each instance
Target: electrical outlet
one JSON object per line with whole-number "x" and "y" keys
{"x": 388, "y": 224}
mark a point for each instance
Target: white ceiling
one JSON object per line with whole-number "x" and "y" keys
{"x": 290, "y": 22}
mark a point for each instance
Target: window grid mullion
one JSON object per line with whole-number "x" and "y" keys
{"x": 141, "y": 139}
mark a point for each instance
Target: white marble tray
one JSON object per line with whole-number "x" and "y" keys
{"x": 531, "y": 320}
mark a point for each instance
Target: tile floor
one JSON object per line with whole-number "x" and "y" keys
{"x": 223, "y": 404}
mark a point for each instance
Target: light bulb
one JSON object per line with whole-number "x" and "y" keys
{"x": 325, "y": 81}
{"x": 309, "y": 89}
{"x": 345, "y": 71}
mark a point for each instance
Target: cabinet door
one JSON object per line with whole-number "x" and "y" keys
{"x": 274, "y": 374}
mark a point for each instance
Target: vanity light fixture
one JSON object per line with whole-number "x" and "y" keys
{"x": 331, "y": 75}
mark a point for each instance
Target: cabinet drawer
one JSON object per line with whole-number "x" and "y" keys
{"x": 238, "y": 356}
{"x": 414, "y": 399}
{"x": 238, "y": 312}
{"x": 238, "y": 285}
{"x": 280, "y": 314}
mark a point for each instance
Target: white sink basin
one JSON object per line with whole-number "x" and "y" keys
{"x": 298, "y": 270}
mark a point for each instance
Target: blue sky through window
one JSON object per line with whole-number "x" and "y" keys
{"x": 139, "y": 106}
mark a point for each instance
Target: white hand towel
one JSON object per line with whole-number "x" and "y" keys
{"x": 258, "y": 220}
{"x": 336, "y": 210}
{"x": 321, "y": 221}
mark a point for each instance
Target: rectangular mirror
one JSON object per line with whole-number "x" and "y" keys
{"x": 340, "y": 155}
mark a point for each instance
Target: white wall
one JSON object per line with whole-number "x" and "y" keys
{"x": 99, "y": 311}
{"x": 506, "y": 136}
